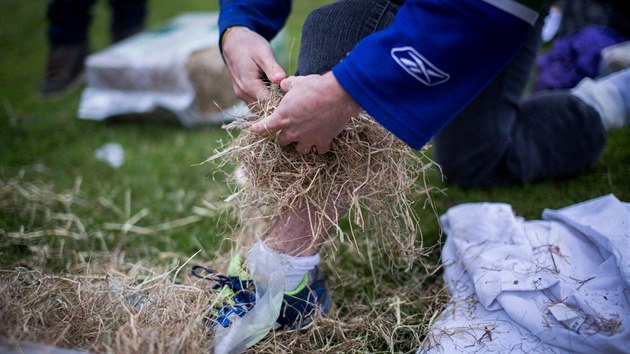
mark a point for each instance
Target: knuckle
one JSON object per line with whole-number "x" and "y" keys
{"x": 283, "y": 142}
{"x": 239, "y": 93}
{"x": 289, "y": 137}
{"x": 280, "y": 119}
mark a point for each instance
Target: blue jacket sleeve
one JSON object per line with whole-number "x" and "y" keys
{"x": 265, "y": 17}
{"x": 416, "y": 75}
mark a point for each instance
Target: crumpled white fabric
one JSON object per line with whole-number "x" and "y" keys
{"x": 504, "y": 274}
{"x": 268, "y": 275}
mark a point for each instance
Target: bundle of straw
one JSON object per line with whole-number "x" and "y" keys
{"x": 367, "y": 169}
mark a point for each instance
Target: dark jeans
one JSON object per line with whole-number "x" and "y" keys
{"x": 499, "y": 138}
{"x": 69, "y": 20}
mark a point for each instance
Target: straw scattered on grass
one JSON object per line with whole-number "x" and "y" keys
{"x": 116, "y": 313}
{"x": 107, "y": 299}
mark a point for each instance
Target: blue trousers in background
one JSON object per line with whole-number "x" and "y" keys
{"x": 69, "y": 20}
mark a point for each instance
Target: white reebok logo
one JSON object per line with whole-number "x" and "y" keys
{"x": 418, "y": 66}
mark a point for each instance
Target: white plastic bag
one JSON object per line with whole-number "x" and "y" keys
{"x": 269, "y": 279}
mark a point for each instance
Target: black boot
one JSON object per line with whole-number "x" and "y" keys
{"x": 64, "y": 69}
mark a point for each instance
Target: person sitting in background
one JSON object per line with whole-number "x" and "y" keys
{"x": 68, "y": 42}
{"x": 587, "y": 29}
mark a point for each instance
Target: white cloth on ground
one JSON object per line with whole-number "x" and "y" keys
{"x": 512, "y": 281}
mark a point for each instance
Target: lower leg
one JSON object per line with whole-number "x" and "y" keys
{"x": 294, "y": 234}
{"x": 128, "y": 18}
{"x": 501, "y": 139}
{"x": 69, "y": 21}
{"x": 329, "y": 33}
{"x": 296, "y": 237}
{"x": 557, "y": 135}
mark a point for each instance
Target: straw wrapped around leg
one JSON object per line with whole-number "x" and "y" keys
{"x": 369, "y": 175}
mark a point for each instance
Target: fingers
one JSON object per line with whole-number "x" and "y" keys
{"x": 255, "y": 89}
{"x": 284, "y": 139}
{"x": 268, "y": 64}
{"x": 269, "y": 126}
{"x": 286, "y": 84}
{"x": 301, "y": 147}
{"x": 249, "y": 57}
{"x": 266, "y": 126}
{"x": 305, "y": 148}
{"x": 322, "y": 149}
{"x": 266, "y": 61}
{"x": 275, "y": 73}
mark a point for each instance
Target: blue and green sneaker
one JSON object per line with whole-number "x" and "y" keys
{"x": 236, "y": 295}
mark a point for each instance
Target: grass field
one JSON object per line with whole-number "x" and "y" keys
{"x": 50, "y": 180}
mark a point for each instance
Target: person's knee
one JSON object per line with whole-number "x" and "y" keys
{"x": 328, "y": 34}
{"x": 469, "y": 171}
{"x": 313, "y": 56}
{"x": 326, "y": 18}
{"x": 315, "y": 22}
{"x": 472, "y": 164}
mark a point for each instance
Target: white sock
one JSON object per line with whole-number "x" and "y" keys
{"x": 294, "y": 267}
{"x": 609, "y": 96}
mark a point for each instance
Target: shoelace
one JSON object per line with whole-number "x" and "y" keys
{"x": 243, "y": 295}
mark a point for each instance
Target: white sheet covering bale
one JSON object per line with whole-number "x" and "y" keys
{"x": 177, "y": 68}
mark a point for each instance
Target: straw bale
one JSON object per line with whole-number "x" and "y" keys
{"x": 209, "y": 78}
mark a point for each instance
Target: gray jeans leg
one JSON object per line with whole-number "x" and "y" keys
{"x": 331, "y": 31}
{"x": 499, "y": 138}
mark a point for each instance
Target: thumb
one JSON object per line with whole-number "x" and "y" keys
{"x": 272, "y": 69}
{"x": 275, "y": 73}
{"x": 265, "y": 126}
{"x": 287, "y": 84}
{"x": 266, "y": 61}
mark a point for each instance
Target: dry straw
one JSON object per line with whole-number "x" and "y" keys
{"x": 103, "y": 303}
{"x": 133, "y": 310}
{"x": 368, "y": 171}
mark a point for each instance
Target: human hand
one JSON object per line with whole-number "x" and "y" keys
{"x": 248, "y": 56}
{"x": 314, "y": 110}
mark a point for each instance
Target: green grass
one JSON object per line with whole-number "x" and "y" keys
{"x": 43, "y": 144}
{"x": 43, "y": 141}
